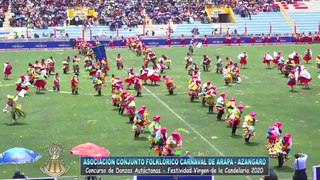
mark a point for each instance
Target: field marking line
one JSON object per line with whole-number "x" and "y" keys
{"x": 179, "y": 117}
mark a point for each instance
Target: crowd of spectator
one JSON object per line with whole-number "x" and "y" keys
{"x": 38, "y": 13}
{"x": 4, "y": 4}
{"x": 123, "y": 13}
{"x": 179, "y": 11}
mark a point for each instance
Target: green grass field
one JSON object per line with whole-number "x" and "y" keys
{"x": 69, "y": 120}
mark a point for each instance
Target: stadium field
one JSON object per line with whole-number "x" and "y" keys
{"x": 69, "y": 120}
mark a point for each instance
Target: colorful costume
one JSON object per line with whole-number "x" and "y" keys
{"x": 273, "y": 134}
{"x": 50, "y": 65}
{"x": 153, "y": 128}
{"x": 130, "y": 78}
{"x": 219, "y": 65}
{"x": 304, "y": 77}
{"x": 318, "y": 61}
{"x": 227, "y": 75}
{"x": 292, "y": 79}
{"x": 206, "y": 63}
{"x": 15, "y": 108}
{"x": 154, "y": 76}
{"x": 117, "y": 90}
{"x": 65, "y": 66}
{"x": 41, "y": 81}
{"x": 267, "y": 59}
{"x": 243, "y": 59}
{"x": 119, "y": 60}
{"x": 22, "y": 85}
{"x": 248, "y": 126}
{"x": 7, "y": 69}
{"x": 137, "y": 86}
{"x": 173, "y": 145}
{"x": 75, "y": 64}
{"x": 308, "y": 55}
{"x": 221, "y": 104}
{"x": 170, "y": 84}
{"x": 74, "y": 84}
{"x": 160, "y": 140}
{"x": 194, "y": 89}
{"x": 188, "y": 60}
{"x": 130, "y": 108}
{"x": 210, "y": 98}
{"x": 97, "y": 84}
{"x": 140, "y": 121}
{"x": 281, "y": 150}
{"x": 231, "y": 105}
{"x": 234, "y": 119}
{"x": 56, "y": 83}
{"x": 235, "y": 72}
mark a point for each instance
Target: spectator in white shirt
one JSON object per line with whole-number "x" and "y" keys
{"x": 300, "y": 167}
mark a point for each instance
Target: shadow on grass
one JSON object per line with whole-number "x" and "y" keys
{"x": 293, "y": 91}
{"x": 236, "y": 136}
{"x": 15, "y": 124}
{"x": 151, "y": 85}
{"x": 283, "y": 169}
{"x": 141, "y": 139}
{"x": 195, "y": 101}
{"x": 253, "y": 144}
{"x": 96, "y": 95}
{"x": 171, "y": 94}
{"x": 41, "y": 92}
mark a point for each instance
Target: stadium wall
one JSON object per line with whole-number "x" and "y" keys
{"x": 149, "y": 42}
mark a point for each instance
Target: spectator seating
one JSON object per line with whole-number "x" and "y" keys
{"x": 304, "y": 22}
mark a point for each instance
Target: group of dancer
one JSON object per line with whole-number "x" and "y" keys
{"x": 122, "y": 99}
{"x": 291, "y": 67}
{"x": 278, "y": 146}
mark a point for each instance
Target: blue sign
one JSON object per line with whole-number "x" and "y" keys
{"x": 148, "y": 42}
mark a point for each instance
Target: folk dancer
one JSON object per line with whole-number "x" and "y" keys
{"x": 74, "y": 84}
{"x": 304, "y": 77}
{"x": 230, "y": 105}
{"x": 130, "y": 78}
{"x": 153, "y": 129}
{"x": 7, "y": 70}
{"x": 130, "y": 108}
{"x": 220, "y": 106}
{"x": 227, "y": 75}
{"x": 307, "y": 55}
{"x": 267, "y": 58}
{"x": 56, "y": 82}
{"x": 14, "y": 108}
{"x": 292, "y": 79}
{"x": 248, "y": 126}
{"x": 235, "y": 72}
{"x": 65, "y": 66}
{"x": 22, "y": 85}
{"x": 137, "y": 86}
{"x": 169, "y": 84}
{"x": 234, "y": 119}
{"x": 140, "y": 121}
{"x": 219, "y": 65}
{"x": 188, "y": 60}
{"x": 243, "y": 59}
{"x": 119, "y": 60}
{"x": 206, "y": 63}
{"x": 205, "y": 87}
{"x": 160, "y": 140}
{"x": 281, "y": 150}
{"x": 318, "y": 62}
{"x": 75, "y": 64}
{"x": 273, "y": 134}
{"x": 173, "y": 145}
{"x": 211, "y": 98}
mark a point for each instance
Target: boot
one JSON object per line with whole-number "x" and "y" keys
{"x": 119, "y": 111}
{"x": 76, "y": 92}
{"x": 131, "y": 120}
{"x": 58, "y": 89}
{"x": 122, "y": 111}
{"x": 219, "y": 116}
{"x": 99, "y": 93}
{"x": 247, "y": 140}
{"x": 203, "y": 101}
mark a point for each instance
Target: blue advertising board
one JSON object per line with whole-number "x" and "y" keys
{"x": 148, "y": 42}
